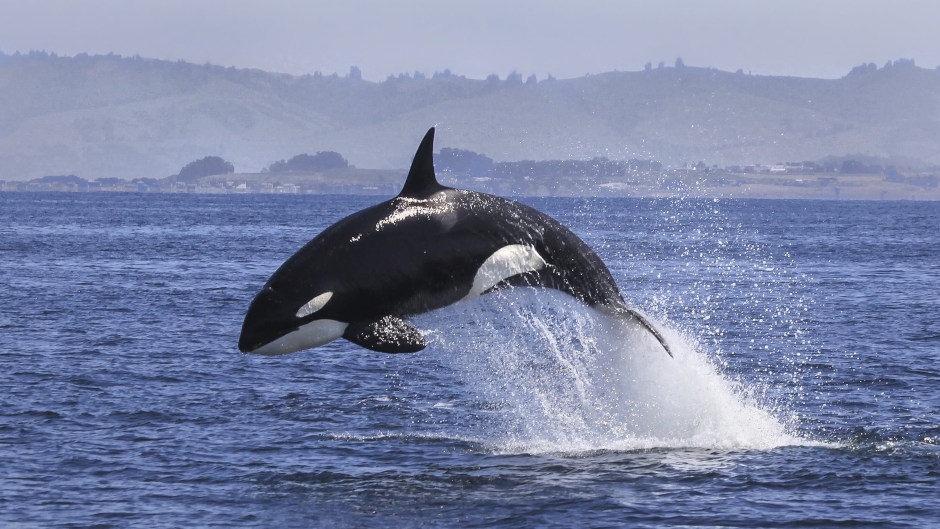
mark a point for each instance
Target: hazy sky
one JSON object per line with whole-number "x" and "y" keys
{"x": 810, "y": 38}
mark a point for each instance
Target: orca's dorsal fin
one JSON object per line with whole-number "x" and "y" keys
{"x": 421, "y": 180}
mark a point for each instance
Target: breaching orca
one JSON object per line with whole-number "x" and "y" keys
{"x": 427, "y": 248}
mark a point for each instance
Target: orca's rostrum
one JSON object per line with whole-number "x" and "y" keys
{"x": 427, "y": 248}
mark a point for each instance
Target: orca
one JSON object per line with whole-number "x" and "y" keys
{"x": 427, "y": 248}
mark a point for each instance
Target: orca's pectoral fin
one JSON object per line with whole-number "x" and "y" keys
{"x": 642, "y": 320}
{"x": 387, "y": 334}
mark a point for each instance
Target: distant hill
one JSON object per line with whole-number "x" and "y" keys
{"x": 108, "y": 116}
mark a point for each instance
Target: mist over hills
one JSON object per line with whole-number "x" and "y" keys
{"x": 108, "y": 116}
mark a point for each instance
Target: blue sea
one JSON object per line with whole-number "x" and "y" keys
{"x": 804, "y": 391}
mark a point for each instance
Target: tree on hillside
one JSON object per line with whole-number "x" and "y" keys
{"x": 61, "y": 180}
{"x": 306, "y": 163}
{"x": 208, "y": 166}
{"x": 854, "y": 167}
{"x": 461, "y": 161}
{"x": 109, "y": 181}
{"x": 863, "y": 69}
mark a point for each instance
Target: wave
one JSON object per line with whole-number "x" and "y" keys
{"x": 551, "y": 375}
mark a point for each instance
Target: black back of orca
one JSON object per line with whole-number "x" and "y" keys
{"x": 422, "y": 250}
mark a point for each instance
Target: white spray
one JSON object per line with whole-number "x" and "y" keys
{"x": 560, "y": 377}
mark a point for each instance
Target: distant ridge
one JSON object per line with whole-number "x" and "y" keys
{"x": 109, "y": 116}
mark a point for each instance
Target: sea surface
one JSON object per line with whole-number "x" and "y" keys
{"x": 804, "y": 391}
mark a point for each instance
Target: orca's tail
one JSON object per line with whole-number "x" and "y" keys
{"x": 634, "y": 315}
{"x": 645, "y": 322}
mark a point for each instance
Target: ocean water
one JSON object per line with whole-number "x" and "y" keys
{"x": 804, "y": 391}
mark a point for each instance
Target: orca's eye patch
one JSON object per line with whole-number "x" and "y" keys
{"x": 314, "y": 305}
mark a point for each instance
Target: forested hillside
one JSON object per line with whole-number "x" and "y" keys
{"x": 108, "y": 116}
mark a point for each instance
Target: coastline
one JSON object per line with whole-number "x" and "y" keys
{"x": 670, "y": 184}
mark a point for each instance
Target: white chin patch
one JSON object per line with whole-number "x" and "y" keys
{"x": 313, "y": 334}
{"x": 314, "y": 305}
{"x": 506, "y": 262}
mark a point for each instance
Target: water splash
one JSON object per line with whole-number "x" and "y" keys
{"x": 554, "y": 376}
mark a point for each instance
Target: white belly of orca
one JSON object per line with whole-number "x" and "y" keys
{"x": 313, "y": 334}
